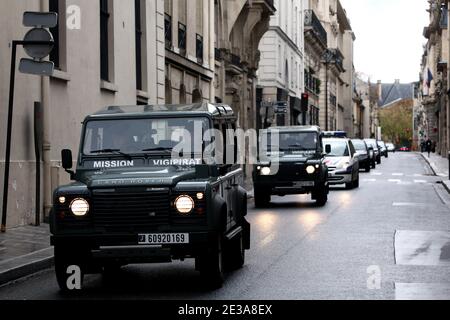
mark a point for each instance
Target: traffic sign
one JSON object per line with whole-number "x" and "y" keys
{"x": 40, "y": 19}
{"x": 38, "y": 51}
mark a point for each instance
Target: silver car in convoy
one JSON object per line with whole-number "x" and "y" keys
{"x": 342, "y": 162}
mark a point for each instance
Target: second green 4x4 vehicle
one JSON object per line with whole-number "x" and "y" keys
{"x": 133, "y": 202}
{"x": 291, "y": 162}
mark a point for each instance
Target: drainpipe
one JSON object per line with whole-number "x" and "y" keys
{"x": 45, "y": 100}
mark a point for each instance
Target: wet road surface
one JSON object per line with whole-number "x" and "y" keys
{"x": 387, "y": 240}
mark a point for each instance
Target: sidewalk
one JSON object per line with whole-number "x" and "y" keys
{"x": 24, "y": 251}
{"x": 440, "y": 167}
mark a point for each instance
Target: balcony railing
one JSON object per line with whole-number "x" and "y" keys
{"x": 338, "y": 58}
{"x": 313, "y": 22}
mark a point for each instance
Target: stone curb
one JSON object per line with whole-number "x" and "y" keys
{"x": 26, "y": 265}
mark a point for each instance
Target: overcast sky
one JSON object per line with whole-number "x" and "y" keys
{"x": 389, "y": 41}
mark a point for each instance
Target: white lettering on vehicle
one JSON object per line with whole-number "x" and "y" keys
{"x": 113, "y": 164}
{"x": 177, "y": 162}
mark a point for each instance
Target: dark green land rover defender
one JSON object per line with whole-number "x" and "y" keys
{"x": 291, "y": 162}
{"x": 133, "y": 201}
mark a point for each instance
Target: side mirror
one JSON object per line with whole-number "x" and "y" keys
{"x": 328, "y": 149}
{"x": 67, "y": 162}
{"x": 67, "y": 159}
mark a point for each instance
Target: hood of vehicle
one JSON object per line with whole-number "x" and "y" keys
{"x": 293, "y": 157}
{"x": 152, "y": 176}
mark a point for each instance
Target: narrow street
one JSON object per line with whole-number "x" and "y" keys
{"x": 395, "y": 224}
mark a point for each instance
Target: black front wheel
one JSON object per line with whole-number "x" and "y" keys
{"x": 211, "y": 266}
{"x": 262, "y": 198}
{"x": 70, "y": 268}
{"x": 321, "y": 196}
{"x": 368, "y": 166}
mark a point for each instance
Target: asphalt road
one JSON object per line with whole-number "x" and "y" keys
{"x": 389, "y": 239}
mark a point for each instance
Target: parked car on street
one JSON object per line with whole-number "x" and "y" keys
{"x": 376, "y": 149}
{"x": 390, "y": 147}
{"x": 364, "y": 153}
{"x": 404, "y": 149}
{"x": 342, "y": 161}
{"x": 383, "y": 149}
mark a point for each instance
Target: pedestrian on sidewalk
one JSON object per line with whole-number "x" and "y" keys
{"x": 428, "y": 146}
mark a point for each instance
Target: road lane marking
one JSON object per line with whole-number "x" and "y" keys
{"x": 395, "y": 180}
{"x": 408, "y": 204}
{"x": 398, "y": 174}
{"x": 369, "y": 180}
{"x": 420, "y": 181}
{"x": 376, "y": 174}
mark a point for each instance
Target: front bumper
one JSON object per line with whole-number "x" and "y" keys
{"x": 125, "y": 248}
{"x": 279, "y": 186}
{"x": 340, "y": 176}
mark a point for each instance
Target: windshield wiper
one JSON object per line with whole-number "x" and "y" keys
{"x": 158, "y": 149}
{"x": 117, "y": 151}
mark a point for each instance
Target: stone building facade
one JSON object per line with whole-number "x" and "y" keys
{"x": 336, "y": 72}
{"x": 432, "y": 114}
{"x": 280, "y": 77}
{"x": 189, "y": 51}
{"x": 239, "y": 27}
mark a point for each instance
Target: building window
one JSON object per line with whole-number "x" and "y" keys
{"x": 138, "y": 31}
{"x": 182, "y": 38}
{"x": 168, "y": 30}
{"x": 199, "y": 48}
{"x": 55, "y": 54}
{"x": 104, "y": 40}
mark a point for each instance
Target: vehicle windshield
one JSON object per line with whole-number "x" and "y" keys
{"x": 143, "y": 136}
{"x": 293, "y": 142}
{"x": 359, "y": 145}
{"x": 338, "y": 148}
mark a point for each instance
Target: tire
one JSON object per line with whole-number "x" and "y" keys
{"x": 65, "y": 257}
{"x": 356, "y": 183}
{"x": 374, "y": 164}
{"x": 321, "y": 196}
{"x": 262, "y": 198}
{"x": 379, "y": 160}
{"x": 212, "y": 267}
{"x": 235, "y": 253}
{"x": 368, "y": 167}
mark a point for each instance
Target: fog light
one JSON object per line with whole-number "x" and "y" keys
{"x": 265, "y": 171}
{"x": 200, "y": 196}
{"x": 62, "y": 200}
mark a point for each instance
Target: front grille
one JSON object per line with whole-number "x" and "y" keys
{"x": 291, "y": 172}
{"x": 131, "y": 210}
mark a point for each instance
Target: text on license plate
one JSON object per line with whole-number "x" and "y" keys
{"x": 164, "y": 238}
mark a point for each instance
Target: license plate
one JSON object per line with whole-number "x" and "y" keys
{"x": 304, "y": 184}
{"x": 164, "y": 238}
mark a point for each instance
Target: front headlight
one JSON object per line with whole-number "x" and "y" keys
{"x": 79, "y": 207}
{"x": 184, "y": 204}
{"x": 265, "y": 171}
{"x": 310, "y": 169}
{"x": 345, "y": 165}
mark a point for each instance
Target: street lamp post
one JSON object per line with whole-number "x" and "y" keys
{"x": 327, "y": 57}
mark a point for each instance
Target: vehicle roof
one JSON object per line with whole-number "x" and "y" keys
{"x": 136, "y": 111}
{"x": 296, "y": 128}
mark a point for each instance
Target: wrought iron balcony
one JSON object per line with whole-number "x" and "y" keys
{"x": 338, "y": 59}
{"x": 312, "y": 23}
